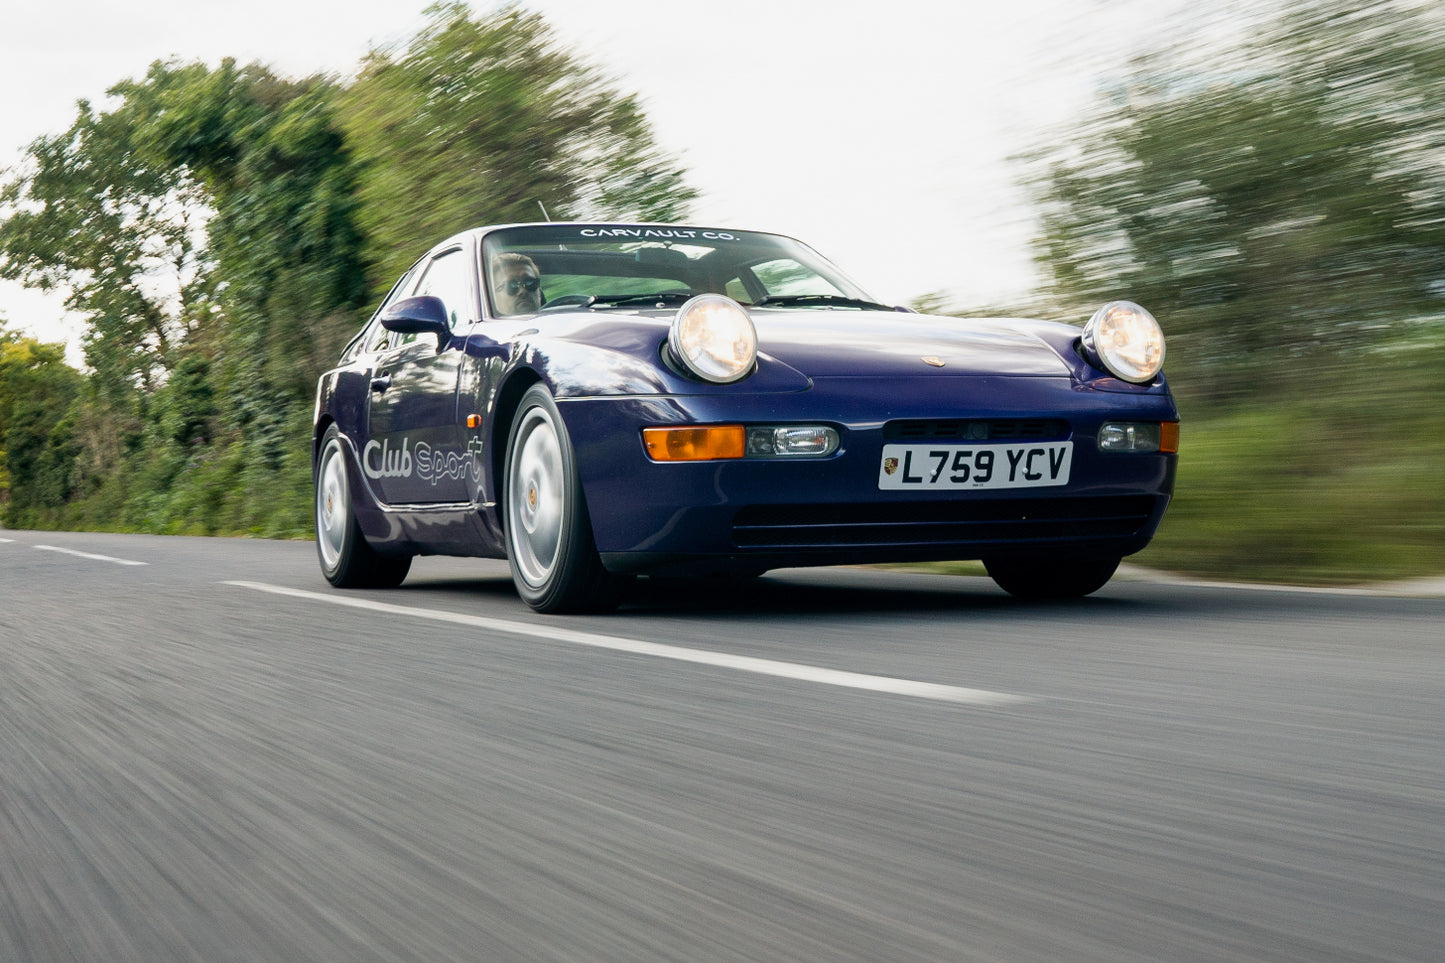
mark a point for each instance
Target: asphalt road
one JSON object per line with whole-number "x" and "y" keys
{"x": 822, "y": 765}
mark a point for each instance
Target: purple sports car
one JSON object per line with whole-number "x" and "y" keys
{"x": 594, "y": 402}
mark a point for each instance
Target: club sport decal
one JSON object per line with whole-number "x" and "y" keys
{"x": 380, "y": 460}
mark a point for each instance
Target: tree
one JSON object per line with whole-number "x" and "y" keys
{"x": 283, "y": 235}
{"x": 220, "y": 228}
{"x": 119, "y": 235}
{"x": 483, "y": 121}
{"x": 1274, "y": 204}
{"x": 38, "y": 448}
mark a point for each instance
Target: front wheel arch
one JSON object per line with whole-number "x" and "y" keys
{"x": 509, "y": 399}
{"x": 545, "y": 521}
{"x": 318, "y": 438}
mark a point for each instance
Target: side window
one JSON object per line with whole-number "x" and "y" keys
{"x": 378, "y": 338}
{"x": 446, "y": 278}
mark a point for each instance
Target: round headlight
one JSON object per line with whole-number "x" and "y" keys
{"x": 714, "y": 337}
{"x": 1125, "y": 341}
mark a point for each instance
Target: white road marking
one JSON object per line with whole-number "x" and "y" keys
{"x": 741, "y": 663}
{"x": 92, "y": 557}
{"x": 7, "y": 541}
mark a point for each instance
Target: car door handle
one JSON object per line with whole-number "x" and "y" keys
{"x": 380, "y": 383}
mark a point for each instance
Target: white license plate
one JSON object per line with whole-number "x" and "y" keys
{"x": 930, "y": 467}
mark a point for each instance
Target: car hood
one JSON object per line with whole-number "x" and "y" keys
{"x": 588, "y": 353}
{"x": 835, "y": 344}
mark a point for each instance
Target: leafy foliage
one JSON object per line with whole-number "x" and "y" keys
{"x": 490, "y": 122}
{"x": 38, "y": 438}
{"x": 119, "y": 236}
{"x": 283, "y": 234}
{"x": 1281, "y": 207}
{"x": 1327, "y": 487}
{"x": 1274, "y": 204}
{"x": 220, "y": 229}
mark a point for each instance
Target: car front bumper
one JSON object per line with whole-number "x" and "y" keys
{"x": 758, "y": 513}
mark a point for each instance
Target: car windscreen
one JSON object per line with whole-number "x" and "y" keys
{"x": 601, "y": 265}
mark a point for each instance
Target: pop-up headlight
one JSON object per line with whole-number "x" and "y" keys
{"x": 1124, "y": 340}
{"x": 714, "y": 338}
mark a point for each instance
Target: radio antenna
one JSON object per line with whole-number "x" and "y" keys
{"x": 545, "y": 216}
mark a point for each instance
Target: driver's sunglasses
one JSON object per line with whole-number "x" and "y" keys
{"x": 515, "y": 285}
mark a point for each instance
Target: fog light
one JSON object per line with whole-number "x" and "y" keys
{"x": 792, "y": 440}
{"x": 1139, "y": 436}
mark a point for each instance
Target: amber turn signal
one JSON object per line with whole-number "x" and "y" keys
{"x": 694, "y": 443}
{"x": 1169, "y": 436}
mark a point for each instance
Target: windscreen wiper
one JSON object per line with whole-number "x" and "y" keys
{"x": 632, "y": 300}
{"x": 825, "y": 300}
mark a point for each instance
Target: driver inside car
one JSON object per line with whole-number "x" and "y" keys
{"x": 516, "y": 284}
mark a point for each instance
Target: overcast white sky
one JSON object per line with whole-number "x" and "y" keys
{"x": 877, "y": 132}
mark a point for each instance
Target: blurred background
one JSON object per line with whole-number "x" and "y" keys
{"x": 196, "y": 215}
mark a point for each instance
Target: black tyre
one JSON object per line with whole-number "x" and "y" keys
{"x": 347, "y": 560}
{"x": 550, "y": 548}
{"x": 1050, "y": 578}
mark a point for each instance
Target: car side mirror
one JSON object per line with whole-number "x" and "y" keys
{"x": 423, "y": 315}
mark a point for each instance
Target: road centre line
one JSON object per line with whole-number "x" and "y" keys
{"x": 89, "y": 555}
{"x": 741, "y": 663}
